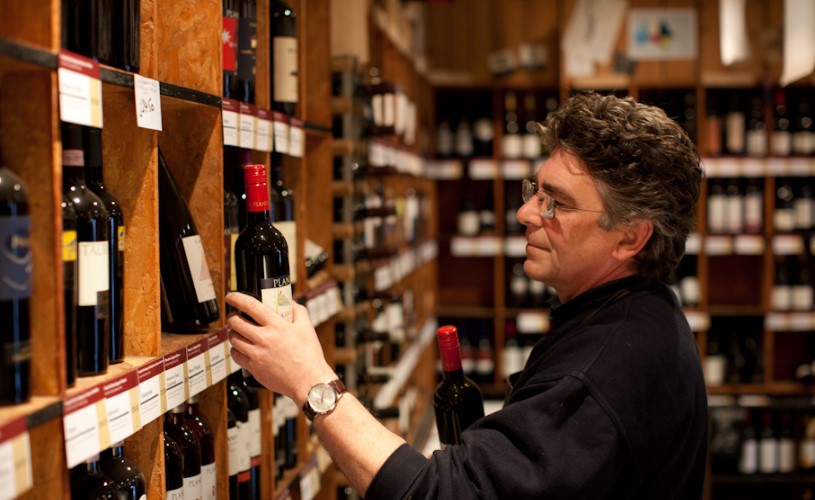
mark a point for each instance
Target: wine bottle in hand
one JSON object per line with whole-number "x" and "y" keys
{"x": 261, "y": 252}
{"x": 458, "y": 401}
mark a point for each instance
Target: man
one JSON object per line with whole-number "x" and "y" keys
{"x": 611, "y": 403}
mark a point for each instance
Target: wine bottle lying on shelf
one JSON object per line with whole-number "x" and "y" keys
{"x": 187, "y": 293}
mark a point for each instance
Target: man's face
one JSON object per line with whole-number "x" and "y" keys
{"x": 570, "y": 251}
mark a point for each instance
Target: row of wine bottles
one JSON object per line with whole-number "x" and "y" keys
{"x": 737, "y": 123}
{"x": 239, "y": 46}
{"x": 105, "y": 30}
{"x": 466, "y": 130}
{"x": 762, "y": 440}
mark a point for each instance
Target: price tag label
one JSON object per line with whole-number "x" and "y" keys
{"x": 309, "y": 481}
{"x": 85, "y": 423}
{"x": 175, "y": 378}
{"x": 263, "y": 131}
{"x": 80, "y": 89}
{"x": 229, "y": 118}
{"x": 248, "y": 116}
{"x": 297, "y": 138}
{"x": 148, "y": 102}
{"x": 218, "y": 356}
{"x": 122, "y": 404}
{"x": 15, "y": 459}
{"x": 152, "y": 393}
{"x": 280, "y": 129}
{"x": 197, "y": 373}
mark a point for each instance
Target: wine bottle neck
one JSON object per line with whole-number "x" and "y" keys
{"x": 453, "y": 375}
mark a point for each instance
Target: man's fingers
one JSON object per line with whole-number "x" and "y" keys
{"x": 251, "y": 306}
{"x": 239, "y": 357}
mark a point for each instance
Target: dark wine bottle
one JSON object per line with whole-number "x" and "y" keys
{"x": 233, "y": 453}
{"x": 187, "y": 440}
{"x": 89, "y": 482}
{"x": 126, "y": 34}
{"x": 284, "y": 77}
{"x": 69, "y": 222}
{"x": 261, "y": 252}
{"x": 203, "y": 431}
{"x": 189, "y": 295}
{"x": 173, "y": 469}
{"x": 101, "y": 21}
{"x": 457, "y": 401}
{"x": 255, "y": 437}
{"x": 126, "y": 476}
{"x": 15, "y": 289}
{"x": 247, "y": 43}
{"x": 282, "y": 207}
{"x": 238, "y": 404}
{"x": 93, "y": 254}
{"x": 229, "y": 47}
{"x": 116, "y": 241}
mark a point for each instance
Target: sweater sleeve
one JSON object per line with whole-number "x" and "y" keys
{"x": 557, "y": 443}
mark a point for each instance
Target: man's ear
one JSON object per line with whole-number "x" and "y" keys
{"x": 633, "y": 238}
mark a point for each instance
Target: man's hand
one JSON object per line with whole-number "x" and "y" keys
{"x": 285, "y": 357}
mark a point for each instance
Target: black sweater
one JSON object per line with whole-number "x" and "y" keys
{"x": 611, "y": 404}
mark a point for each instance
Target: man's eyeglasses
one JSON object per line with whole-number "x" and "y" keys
{"x": 547, "y": 204}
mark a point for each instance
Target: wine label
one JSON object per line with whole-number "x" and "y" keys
{"x": 177, "y": 494}
{"x": 288, "y": 228}
{"x": 255, "y": 448}
{"x": 244, "y": 461}
{"x": 192, "y": 487}
{"x": 121, "y": 239}
{"x": 247, "y": 43}
{"x": 276, "y": 294}
{"x": 199, "y": 271}
{"x": 285, "y": 68}
{"x": 229, "y": 42}
{"x": 209, "y": 485}
{"x": 15, "y": 258}
{"x": 233, "y": 450}
{"x": 93, "y": 271}
{"x": 69, "y": 246}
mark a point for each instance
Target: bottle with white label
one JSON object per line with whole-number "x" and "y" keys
{"x": 196, "y": 421}
{"x": 532, "y": 145}
{"x": 92, "y": 311}
{"x": 717, "y": 207}
{"x": 187, "y": 440}
{"x": 239, "y": 452}
{"x": 173, "y": 469}
{"x": 262, "y": 252}
{"x": 512, "y": 141}
{"x": 748, "y": 462}
{"x": 188, "y": 300}
{"x": 283, "y": 33}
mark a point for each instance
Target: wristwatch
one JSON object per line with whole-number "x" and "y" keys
{"x": 322, "y": 398}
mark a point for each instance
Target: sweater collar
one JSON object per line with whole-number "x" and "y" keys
{"x": 590, "y": 299}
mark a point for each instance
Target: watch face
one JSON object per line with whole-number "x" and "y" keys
{"x": 322, "y": 398}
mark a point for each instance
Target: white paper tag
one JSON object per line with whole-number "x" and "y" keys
{"x": 122, "y": 404}
{"x": 197, "y": 366}
{"x": 263, "y": 131}
{"x": 246, "y": 135}
{"x": 15, "y": 459}
{"x": 80, "y": 90}
{"x": 229, "y": 119}
{"x": 85, "y": 424}
{"x": 148, "y": 102}
{"x": 281, "y": 132}
{"x": 218, "y": 356}
{"x": 175, "y": 378}
{"x": 296, "y": 138}
{"x": 151, "y": 391}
